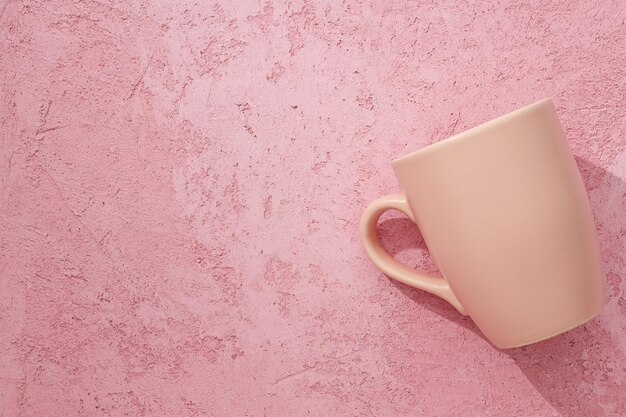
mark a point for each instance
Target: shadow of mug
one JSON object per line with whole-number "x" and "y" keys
{"x": 582, "y": 372}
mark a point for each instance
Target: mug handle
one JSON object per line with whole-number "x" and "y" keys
{"x": 390, "y": 266}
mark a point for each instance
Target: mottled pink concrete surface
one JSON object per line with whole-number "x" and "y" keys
{"x": 181, "y": 184}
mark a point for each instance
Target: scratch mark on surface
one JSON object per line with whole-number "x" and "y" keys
{"x": 345, "y": 355}
{"x": 78, "y": 218}
{"x": 455, "y": 124}
{"x": 182, "y": 95}
{"x": 145, "y": 71}
{"x": 317, "y": 365}
{"x": 25, "y": 225}
{"x": 295, "y": 374}
{"x": 39, "y": 276}
{"x": 45, "y": 115}
{"x": 11, "y": 160}
{"x": 44, "y": 118}
{"x": 50, "y": 129}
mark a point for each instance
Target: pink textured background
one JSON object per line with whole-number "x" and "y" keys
{"x": 181, "y": 184}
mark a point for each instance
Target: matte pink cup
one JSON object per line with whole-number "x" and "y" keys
{"x": 504, "y": 213}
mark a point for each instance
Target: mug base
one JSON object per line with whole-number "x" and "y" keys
{"x": 551, "y": 335}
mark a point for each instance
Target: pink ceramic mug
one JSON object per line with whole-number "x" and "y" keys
{"x": 504, "y": 213}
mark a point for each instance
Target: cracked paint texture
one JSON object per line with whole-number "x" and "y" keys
{"x": 180, "y": 187}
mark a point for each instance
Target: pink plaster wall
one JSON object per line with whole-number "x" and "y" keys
{"x": 181, "y": 183}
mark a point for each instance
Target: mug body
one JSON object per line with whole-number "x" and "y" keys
{"x": 505, "y": 215}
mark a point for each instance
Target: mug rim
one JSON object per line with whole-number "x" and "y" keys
{"x": 472, "y": 131}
